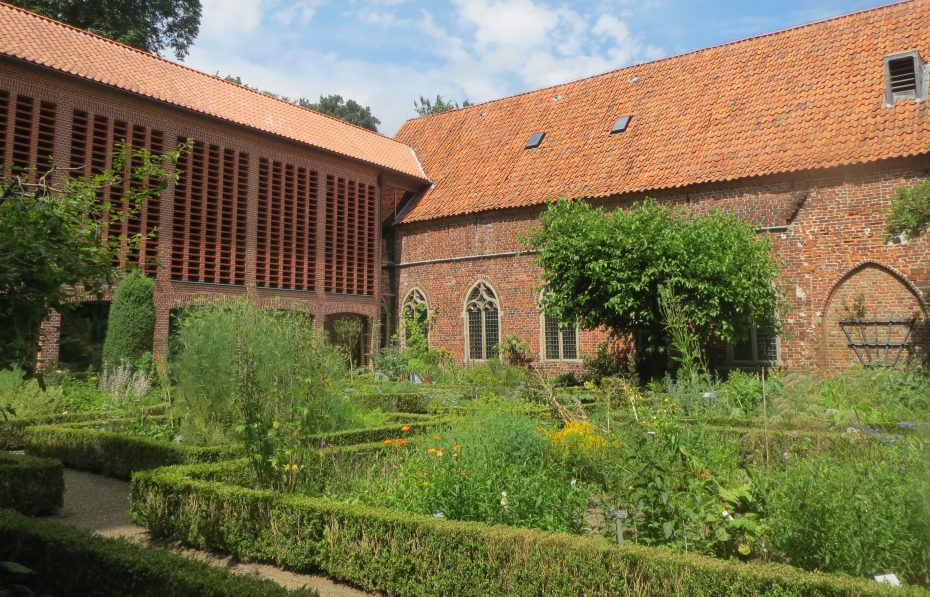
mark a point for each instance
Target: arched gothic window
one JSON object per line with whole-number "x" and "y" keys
{"x": 384, "y": 332}
{"x": 560, "y": 341}
{"x": 482, "y": 323}
{"x": 416, "y": 312}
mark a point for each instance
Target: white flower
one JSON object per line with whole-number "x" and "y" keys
{"x": 726, "y": 515}
{"x": 574, "y": 484}
{"x": 504, "y": 501}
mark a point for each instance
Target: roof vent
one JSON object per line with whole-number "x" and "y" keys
{"x": 620, "y": 124}
{"x": 534, "y": 141}
{"x": 905, "y": 78}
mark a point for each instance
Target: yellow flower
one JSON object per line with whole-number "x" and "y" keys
{"x": 432, "y": 450}
{"x": 424, "y": 483}
{"x": 405, "y": 429}
{"x": 387, "y": 441}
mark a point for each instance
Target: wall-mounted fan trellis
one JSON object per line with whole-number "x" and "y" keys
{"x": 878, "y": 342}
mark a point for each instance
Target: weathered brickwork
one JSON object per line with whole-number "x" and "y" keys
{"x": 825, "y": 226}
{"x": 251, "y": 214}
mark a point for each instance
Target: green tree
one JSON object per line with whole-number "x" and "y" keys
{"x": 54, "y": 249}
{"x": 910, "y": 212}
{"x": 131, "y": 325}
{"x": 606, "y": 268}
{"x": 425, "y": 107}
{"x": 150, "y": 25}
{"x": 348, "y": 110}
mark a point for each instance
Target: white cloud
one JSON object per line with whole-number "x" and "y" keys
{"x": 474, "y": 49}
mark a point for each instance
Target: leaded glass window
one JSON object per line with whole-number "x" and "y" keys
{"x": 482, "y": 323}
{"x": 416, "y": 312}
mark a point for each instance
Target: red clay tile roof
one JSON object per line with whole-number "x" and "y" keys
{"x": 42, "y": 41}
{"x": 803, "y": 98}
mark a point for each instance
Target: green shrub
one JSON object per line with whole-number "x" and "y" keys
{"x": 115, "y": 454}
{"x": 131, "y": 325}
{"x": 407, "y": 402}
{"x": 12, "y": 431}
{"x": 415, "y": 555}
{"x": 31, "y": 485}
{"x": 70, "y": 561}
{"x": 860, "y": 510}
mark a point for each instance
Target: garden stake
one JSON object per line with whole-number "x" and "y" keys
{"x": 765, "y": 418}
{"x": 618, "y": 516}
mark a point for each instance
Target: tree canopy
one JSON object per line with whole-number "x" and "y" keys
{"x": 348, "y": 110}
{"x": 333, "y": 105}
{"x": 606, "y": 268}
{"x": 150, "y": 25}
{"x": 54, "y": 247}
{"x": 425, "y": 107}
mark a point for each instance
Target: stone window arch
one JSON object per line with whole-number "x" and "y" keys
{"x": 416, "y": 310}
{"x": 482, "y": 323}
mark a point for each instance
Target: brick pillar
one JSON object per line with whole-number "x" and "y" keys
{"x": 49, "y": 337}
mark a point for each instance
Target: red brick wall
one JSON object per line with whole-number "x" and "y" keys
{"x": 823, "y": 225}
{"x": 252, "y": 214}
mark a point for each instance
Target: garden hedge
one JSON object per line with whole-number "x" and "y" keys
{"x": 12, "y": 431}
{"x": 131, "y": 324}
{"x": 115, "y": 454}
{"x": 31, "y": 485}
{"x": 363, "y": 435}
{"x": 414, "y": 555}
{"x": 70, "y": 561}
{"x": 410, "y": 402}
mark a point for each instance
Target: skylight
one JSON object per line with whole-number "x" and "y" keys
{"x": 534, "y": 141}
{"x": 620, "y": 124}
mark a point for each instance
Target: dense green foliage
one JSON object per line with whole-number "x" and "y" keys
{"x": 53, "y": 243}
{"x": 68, "y": 561}
{"x": 132, "y": 321}
{"x": 31, "y": 485}
{"x": 399, "y": 553}
{"x": 115, "y": 454}
{"x": 910, "y": 212}
{"x": 147, "y": 25}
{"x": 606, "y": 268}
{"x": 346, "y": 109}
{"x": 425, "y": 106}
{"x": 263, "y": 378}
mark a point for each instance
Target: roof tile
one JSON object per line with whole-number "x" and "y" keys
{"x": 36, "y": 39}
{"x": 804, "y": 98}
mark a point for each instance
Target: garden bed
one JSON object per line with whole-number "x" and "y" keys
{"x": 408, "y": 554}
{"x": 12, "y": 431}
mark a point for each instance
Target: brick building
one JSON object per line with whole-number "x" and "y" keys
{"x": 806, "y": 132}
{"x": 274, "y": 201}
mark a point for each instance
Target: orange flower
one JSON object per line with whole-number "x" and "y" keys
{"x": 405, "y": 429}
{"x": 387, "y": 441}
{"x": 457, "y": 447}
{"x": 400, "y": 442}
{"x": 432, "y": 450}
{"x": 436, "y": 438}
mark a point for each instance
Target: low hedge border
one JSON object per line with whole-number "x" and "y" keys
{"x": 31, "y": 485}
{"x": 411, "y": 402}
{"x": 115, "y": 454}
{"x": 71, "y": 561}
{"x": 12, "y": 431}
{"x": 376, "y": 434}
{"x": 414, "y": 555}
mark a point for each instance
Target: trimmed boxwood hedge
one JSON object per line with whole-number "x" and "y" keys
{"x": 115, "y": 454}
{"x": 31, "y": 485}
{"x": 12, "y": 431}
{"x": 413, "y": 555}
{"x": 349, "y": 437}
{"x": 71, "y": 561}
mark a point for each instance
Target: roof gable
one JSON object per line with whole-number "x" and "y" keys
{"x": 804, "y": 98}
{"x": 39, "y": 40}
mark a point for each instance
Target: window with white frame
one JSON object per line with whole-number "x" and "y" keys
{"x": 760, "y": 347}
{"x": 482, "y": 323}
{"x": 416, "y": 312}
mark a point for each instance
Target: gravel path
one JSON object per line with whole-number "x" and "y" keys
{"x": 101, "y": 504}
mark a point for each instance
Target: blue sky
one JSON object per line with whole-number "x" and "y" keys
{"x": 386, "y": 53}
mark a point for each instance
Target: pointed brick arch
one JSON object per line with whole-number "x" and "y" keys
{"x": 887, "y": 295}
